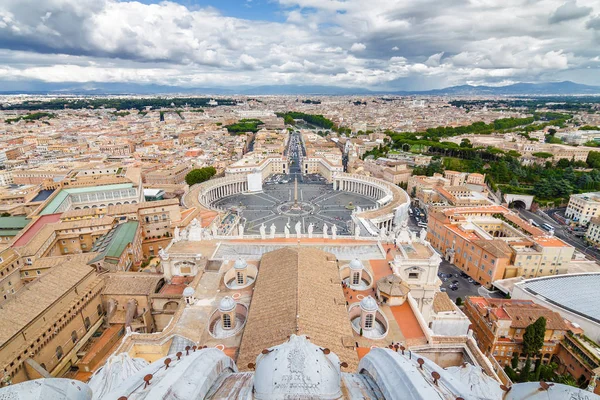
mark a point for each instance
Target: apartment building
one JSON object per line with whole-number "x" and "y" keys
{"x": 499, "y": 325}
{"x": 583, "y": 207}
{"x": 45, "y": 326}
{"x": 168, "y": 176}
{"x": 454, "y": 188}
{"x": 490, "y": 243}
{"x": 593, "y": 233}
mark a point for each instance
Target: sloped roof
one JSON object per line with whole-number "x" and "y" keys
{"x": 298, "y": 291}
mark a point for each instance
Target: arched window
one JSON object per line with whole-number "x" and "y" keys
{"x": 226, "y": 321}
{"x": 59, "y": 352}
{"x": 87, "y": 323}
{"x": 369, "y": 321}
{"x": 156, "y": 217}
{"x": 99, "y": 309}
{"x": 164, "y": 217}
{"x": 355, "y": 278}
{"x": 74, "y": 336}
{"x": 240, "y": 278}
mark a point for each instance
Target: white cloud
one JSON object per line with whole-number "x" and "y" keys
{"x": 350, "y": 42}
{"x": 357, "y": 47}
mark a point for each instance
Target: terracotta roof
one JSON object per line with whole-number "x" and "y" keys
{"x": 442, "y": 303}
{"x": 496, "y": 247}
{"x": 298, "y": 291}
{"x": 131, "y": 283}
{"x": 523, "y": 315}
{"x": 39, "y": 295}
{"x": 49, "y": 262}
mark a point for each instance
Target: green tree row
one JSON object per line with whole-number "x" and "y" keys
{"x": 244, "y": 125}
{"x": 200, "y": 175}
{"x": 313, "y": 119}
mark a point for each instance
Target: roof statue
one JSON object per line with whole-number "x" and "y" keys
{"x": 325, "y": 228}
{"x": 334, "y": 232}
{"x": 195, "y": 231}
{"x": 286, "y": 230}
{"x": 263, "y": 231}
{"x": 272, "y": 229}
{"x": 298, "y": 229}
{"x": 311, "y": 227}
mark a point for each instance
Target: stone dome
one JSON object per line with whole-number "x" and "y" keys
{"x": 227, "y": 304}
{"x": 297, "y": 369}
{"x": 369, "y": 304}
{"x": 188, "y": 292}
{"x": 240, "y": 264}
{"x": 356, "y": 264}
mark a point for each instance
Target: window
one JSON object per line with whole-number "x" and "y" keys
{"x": 59, "y": 352}
{"x": 87, "y": 323}
{"x": 369, "y": 321}
{"x": 413, "y": 275}
{"x": 240, "y": 278}
{"x": 38, "y": 272}
{"x": 99, "y": 309}
{"x": 226, "y": 321}
{"x": 355, "y": 278}
{"x": 74, "y": 337}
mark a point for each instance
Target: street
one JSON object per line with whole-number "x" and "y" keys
{"x": 465, "y": 288}
{"x": 561, "y": 232}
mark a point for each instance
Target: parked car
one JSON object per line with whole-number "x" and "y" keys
{"x": 454, "y": 288}
{"x": 455, "y": 282}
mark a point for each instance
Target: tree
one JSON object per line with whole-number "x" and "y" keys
{"x": 563, "y": 163}
{"x": 533, "y": 339}
{"x": 459, "y": 301}
{"x": 515, "y": 360}
{"x": 200, "y": 175}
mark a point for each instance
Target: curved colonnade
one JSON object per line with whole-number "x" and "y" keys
{"x": 215, "y": 189}
{"x": 392, "y": 201}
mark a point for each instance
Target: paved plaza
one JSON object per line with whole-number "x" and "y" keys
{"x": 317, "y": 203}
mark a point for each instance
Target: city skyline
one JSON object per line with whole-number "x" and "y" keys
{"x": 377, "y": 45}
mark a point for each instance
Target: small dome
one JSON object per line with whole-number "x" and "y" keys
{"x": 393, "y": 286}
{"x": 226, "y": 304}
{"x": 368, "y": 304}
{"x": 356, "y": 264}
{"x": 188, "y": 292}
{"x": 240, "y": 264}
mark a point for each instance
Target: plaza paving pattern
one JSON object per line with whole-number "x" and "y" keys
{"x": 319, "y": 205}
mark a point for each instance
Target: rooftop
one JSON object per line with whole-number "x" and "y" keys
{"x": 114, "y": 242}
{"x": 577, "y": 293}
{"x": 298, "y": 291}
{"x": 40, "y": 294}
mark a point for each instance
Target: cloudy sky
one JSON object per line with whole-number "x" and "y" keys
{"x": 379, "y": 44}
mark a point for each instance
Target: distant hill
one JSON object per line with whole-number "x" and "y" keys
{"x": 549, "y": 88}
{"x": 96, "y": 88}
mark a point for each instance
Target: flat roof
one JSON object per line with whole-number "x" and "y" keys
{"x": 577, "y": 293}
